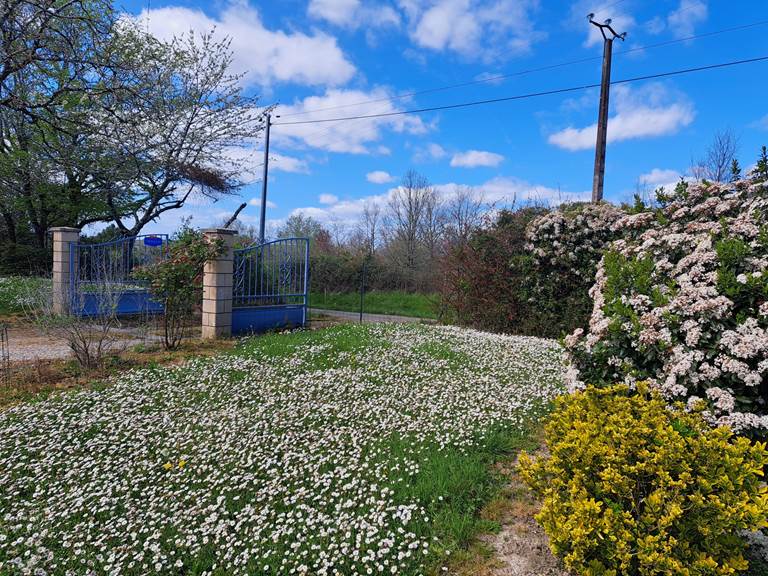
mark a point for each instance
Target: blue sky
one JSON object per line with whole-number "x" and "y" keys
{"x": 333, "y": 57}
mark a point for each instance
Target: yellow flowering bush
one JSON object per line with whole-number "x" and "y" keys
{"x": 632, "y": 487}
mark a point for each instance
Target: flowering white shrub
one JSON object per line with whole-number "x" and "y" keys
{"x": 265, "y": 462}
{"x": 681, "y": 300}
{"x": 573, "y": 237}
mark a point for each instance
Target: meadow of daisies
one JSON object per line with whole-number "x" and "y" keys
{"x": 350, "y": 450}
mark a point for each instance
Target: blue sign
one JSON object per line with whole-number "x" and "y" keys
{"x": 153, "y": 241}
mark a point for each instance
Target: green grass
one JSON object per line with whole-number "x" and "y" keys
{"x": 397, "y": 303}
{"x": 329, "y": 424}
{"x": 469, "y": 480}
{"x": 15, "y": 289}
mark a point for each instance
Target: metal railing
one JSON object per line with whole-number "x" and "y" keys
{"x": 103, "y": 275}
{"x": 272, "y": 274}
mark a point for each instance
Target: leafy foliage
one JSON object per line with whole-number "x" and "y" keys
{"x": 633, "y": 487}
{"x": 177, "y": 281}
{"x": 530, "y": 271}
{"x": 681, "y": 300}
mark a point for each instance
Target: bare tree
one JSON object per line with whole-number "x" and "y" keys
{"x": 433, "y": 223}
{"x": 369, "y": 227}
{"x": 407, "y": 206}
{"x": 52, "y": 37}
{"x": 717, "y": 162}
{"x": 465, "y": 212}
{"x": 179, "y": 131}
{"x": 156, "y": 123}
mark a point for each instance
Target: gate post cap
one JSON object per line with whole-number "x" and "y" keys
{"x": 223, "y": 231}
{"x": 64, "y": 229}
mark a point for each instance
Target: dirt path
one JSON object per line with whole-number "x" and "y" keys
{"x": 520, "y": 547}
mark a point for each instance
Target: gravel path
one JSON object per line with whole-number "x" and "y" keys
{"x": 27, "y": 343}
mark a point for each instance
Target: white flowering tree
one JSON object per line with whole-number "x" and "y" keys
{"x": 681, "y": 300}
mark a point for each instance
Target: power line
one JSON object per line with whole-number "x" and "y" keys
{"x": 529, "y": 95}
{"x": 527, "y": 71}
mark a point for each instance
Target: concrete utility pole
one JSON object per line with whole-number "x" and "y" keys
{"x": 602, "y": 118}
{"x": 263, "y": 220}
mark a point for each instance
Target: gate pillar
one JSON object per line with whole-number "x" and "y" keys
{"x": 64, "y": 240}
{"x": 217, "y": 287}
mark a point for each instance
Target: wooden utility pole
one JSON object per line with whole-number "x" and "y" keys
{"x": 602, "y": 117}
{"x": 263, "y": 220}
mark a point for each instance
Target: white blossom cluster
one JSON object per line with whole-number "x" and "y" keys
{"x": 263, "y": 461}
{"x": 573, "y": 237}
{"x": 681, "y": 301}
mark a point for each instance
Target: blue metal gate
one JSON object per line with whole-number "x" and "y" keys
{"x": 103, "y": 279}
{"x": 271, "y": 285}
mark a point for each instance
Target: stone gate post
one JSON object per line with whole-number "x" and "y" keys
{"x": 63, "y": 240}
{"x": 217, "y": 287}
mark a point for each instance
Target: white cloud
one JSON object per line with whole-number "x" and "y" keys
{"x": 328, "y": 199}
{"x": 761, "y": 124}
{"x": 346, "y": 136}
{"x": 431, "y": 151}
{"x": 379, "y": 177}
{"x": 476, "y": 29}
{"x": 353, "y": 13}
{"x": 656, "y": 25}
{"x": 345, "y": 212}
{"x": 288, "y": 164}
{"x": 491, "y": 78}
{"x": 475, "y": 158}
{"x": 510, "y": 191}
{"x": 257, "y": 202}
{"x": 682, "y": 22}
{"x": 264, "y": 56}
{"x": 499, "y": 192}
{"x": 248, "y": 161}
{"x": 645, "y": 113}
{"x": 661, "y": 178}
{"x": 339, "y": 12}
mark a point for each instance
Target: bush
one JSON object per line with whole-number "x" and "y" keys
{"x": 633, "y": 487}
{"x": 485, "y": 281}
{"x": 177, "y": 281}
{"x": 530, "y": 271}
{"x": 681, "y": 301}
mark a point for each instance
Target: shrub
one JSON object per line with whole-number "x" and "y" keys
{"x": 633, "y": 487}
{"x": 681, "y": 300}
{"x": 531, "y": 270}
{"x": 24, "y": 259}
{"x": 572, "y": 238}
{"x": 484, "y": 281}
{"x": 177, "y": 281}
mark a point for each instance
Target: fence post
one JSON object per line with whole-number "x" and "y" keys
{"x": 217, "y": 287}
{"x": 63, "y": 240}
